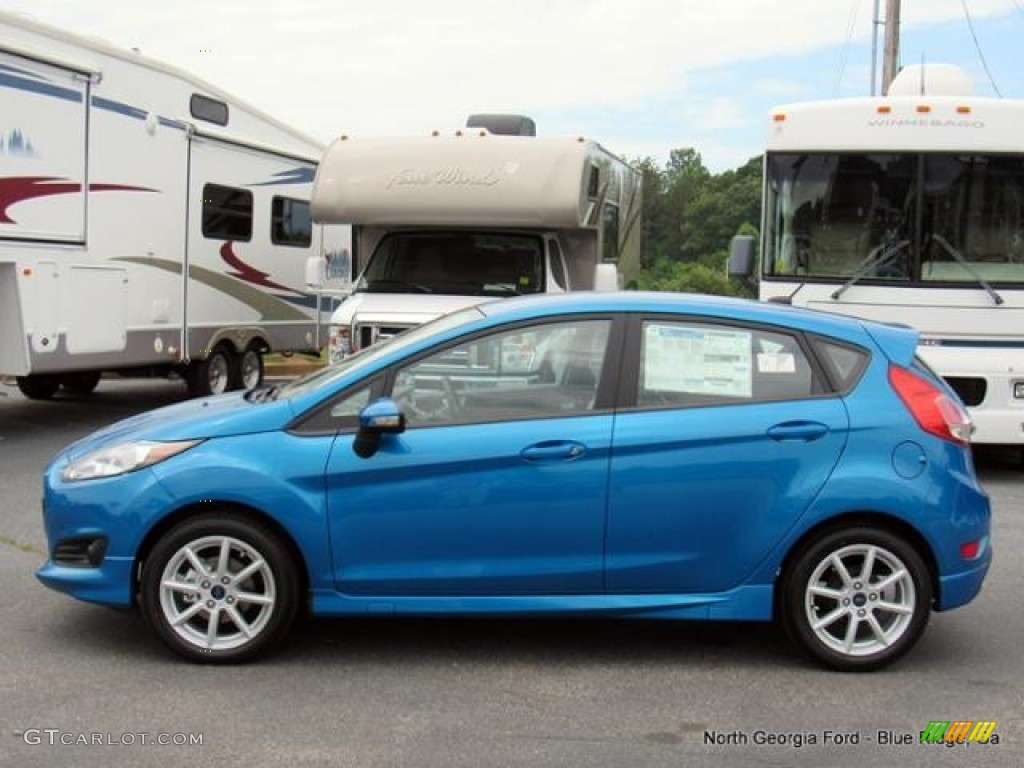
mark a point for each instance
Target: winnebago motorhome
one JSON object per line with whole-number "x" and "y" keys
{"x": 148, "y": 221}
{"x": 445, "y": 222}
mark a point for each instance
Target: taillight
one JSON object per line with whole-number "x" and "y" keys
{"x": 933, "y": 410}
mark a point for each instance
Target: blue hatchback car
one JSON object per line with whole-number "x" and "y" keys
{"x": 628, "y": 455}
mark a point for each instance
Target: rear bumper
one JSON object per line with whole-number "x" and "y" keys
{"x": 960, "y": 588}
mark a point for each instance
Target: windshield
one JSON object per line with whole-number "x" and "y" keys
{"x": 368, "y": 356}
{"x": 904, "y": 217}
{"x": 456, "y": 263}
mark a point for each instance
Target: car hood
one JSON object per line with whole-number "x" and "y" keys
{"x": 217, "y": 416}
{"x": 400, "y": 308}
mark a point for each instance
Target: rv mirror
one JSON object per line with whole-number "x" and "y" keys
{"x": 607, "y": 278}
{"x": 741, "y": 256}
{"x": 315, "y": 272}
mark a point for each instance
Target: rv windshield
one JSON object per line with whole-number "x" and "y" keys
{"x": 456, "y": 263}
{"x": 907, "y": 217}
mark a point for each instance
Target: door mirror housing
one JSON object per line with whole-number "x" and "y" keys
{"x": 381, "y": 417}
{"x": 741, "y": 256}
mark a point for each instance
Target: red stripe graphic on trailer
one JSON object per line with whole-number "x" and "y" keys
{"x": 248, "y": 272}
{"x": 14, "y": 189}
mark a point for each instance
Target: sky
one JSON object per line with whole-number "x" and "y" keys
{"x": 643, "y": 77}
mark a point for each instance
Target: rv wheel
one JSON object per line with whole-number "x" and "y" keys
{"x": 211, "y": 376}
{"x": 248, "y": 372}
{"x": 39, "y": 386}
{"x": 81, "y": 383}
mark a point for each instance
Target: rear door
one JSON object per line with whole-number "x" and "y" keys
{"x": 728, "y": 435}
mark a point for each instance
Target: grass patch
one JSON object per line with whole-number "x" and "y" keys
{"x": 29, "y": 548}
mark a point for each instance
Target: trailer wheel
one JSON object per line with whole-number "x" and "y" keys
{"x": 248, "y": 370}
{"x": 81, "y": 383}
{"x": 39, "y": 386}
{"x": 211, "y": 376}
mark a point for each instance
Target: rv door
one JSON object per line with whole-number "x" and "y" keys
{"x": 43, "y": 128}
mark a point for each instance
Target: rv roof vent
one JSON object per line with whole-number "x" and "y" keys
{"x": 931, "y": 80}
{"x": 507, "y": 125}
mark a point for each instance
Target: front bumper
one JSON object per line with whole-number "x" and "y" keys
{"x": 109, "y": 584}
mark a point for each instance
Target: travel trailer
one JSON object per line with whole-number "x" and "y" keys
{"x": 149, "y": 223}
{"x": 447, "y": 221}
{"x": 909, "y": 209}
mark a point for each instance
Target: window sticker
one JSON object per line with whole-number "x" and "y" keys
{"x": 698, "y": 360}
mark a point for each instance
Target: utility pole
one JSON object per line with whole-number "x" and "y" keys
{"x": 891, "y": 50}
{"x": 875, "y": 24}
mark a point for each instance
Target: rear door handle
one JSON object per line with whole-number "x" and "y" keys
{"x": 553, "y": 450}
{"x": 798, "y": 431}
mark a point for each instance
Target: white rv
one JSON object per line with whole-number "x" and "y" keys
{"x": 444, "y": 222}
{"x": 908, "y": 208}
{"x": 148, "y": 221}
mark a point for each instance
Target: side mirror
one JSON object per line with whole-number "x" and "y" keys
{"x": 741, "y": 256}
{"x": 607, "y": 278}
{"x": 381, "y": 417}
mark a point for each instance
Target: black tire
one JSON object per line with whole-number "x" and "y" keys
{"x": 869, "y": 628}
{"x": 39, "y": 386}
{"x": 211, "y": 376}
{"x": 219, "y": 596}
{"x": 81, "y": 383}
{"x": 247, "y": 369}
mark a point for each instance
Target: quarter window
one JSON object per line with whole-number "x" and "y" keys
{"x": 684, "y": 364}
{"x": 227, "y": 213}
{"x": 291, "y": 222}
{"x": 532, "y": 372}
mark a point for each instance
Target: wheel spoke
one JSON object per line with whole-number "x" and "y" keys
{"x": 869, "y": 564}
{"x": 222, "y": 560}
{"x": 830, "y": 618}
{"x": 193, "y": 558}
{"x": 251, "y": 597}
{"x": 249, "y": 570}
{"x": 900, "y": 608}
{"x": 889, "y": 580}
{"x": 238, "y": 621}
{"x": 844, "y": 574}
{"x": 851, "y": 633}
{"x": 179, "y": 586}
{"x": 186, "y": 615}
{"x": 211, "y": 628}
{"x": 877, "y": 629}
{"x": 821, "y": 591}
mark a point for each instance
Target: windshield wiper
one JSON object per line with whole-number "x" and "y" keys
{"x": 879, "y": 255}
{"x": 263, "y": 394}
{"x": 959, "y": 259}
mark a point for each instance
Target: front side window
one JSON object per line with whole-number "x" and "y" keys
{"x": 290, "y": 222}
{"x": 934, "y": 217}
{"x": 227, "y": 213}
{"x": 538, "y": 371}
{"x": 685, "y": 364}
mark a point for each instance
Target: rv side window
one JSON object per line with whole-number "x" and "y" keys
{"x": 610, "y": 249}
{"x": 210, "y": 110}
{"x": 290, "y": 222}
{"x": 594, "y": 183}
{"x": 227, "y": 213}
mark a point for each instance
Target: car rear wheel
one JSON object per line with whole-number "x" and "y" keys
{"x": 220, "y": 590}
{"x": 857, "y": 599}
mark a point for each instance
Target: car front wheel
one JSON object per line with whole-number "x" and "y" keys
{"x": 220, "y": 590}
{"x": 857, "y": 599}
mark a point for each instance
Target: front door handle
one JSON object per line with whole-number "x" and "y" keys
{"x": 798, "y": 431}
{"x": 553, "y": 450}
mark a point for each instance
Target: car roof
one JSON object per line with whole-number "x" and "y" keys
{"x": 747, "y": 310}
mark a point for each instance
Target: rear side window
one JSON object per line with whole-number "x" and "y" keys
{"x": 845, "y": 362}
{"x": 683, "y": 363}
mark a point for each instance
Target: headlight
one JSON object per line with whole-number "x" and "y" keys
{"x": 121, "y": 458}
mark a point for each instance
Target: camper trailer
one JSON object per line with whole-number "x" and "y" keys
{"x": 149, "y": 223}
{"x": 447, "y": 221}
